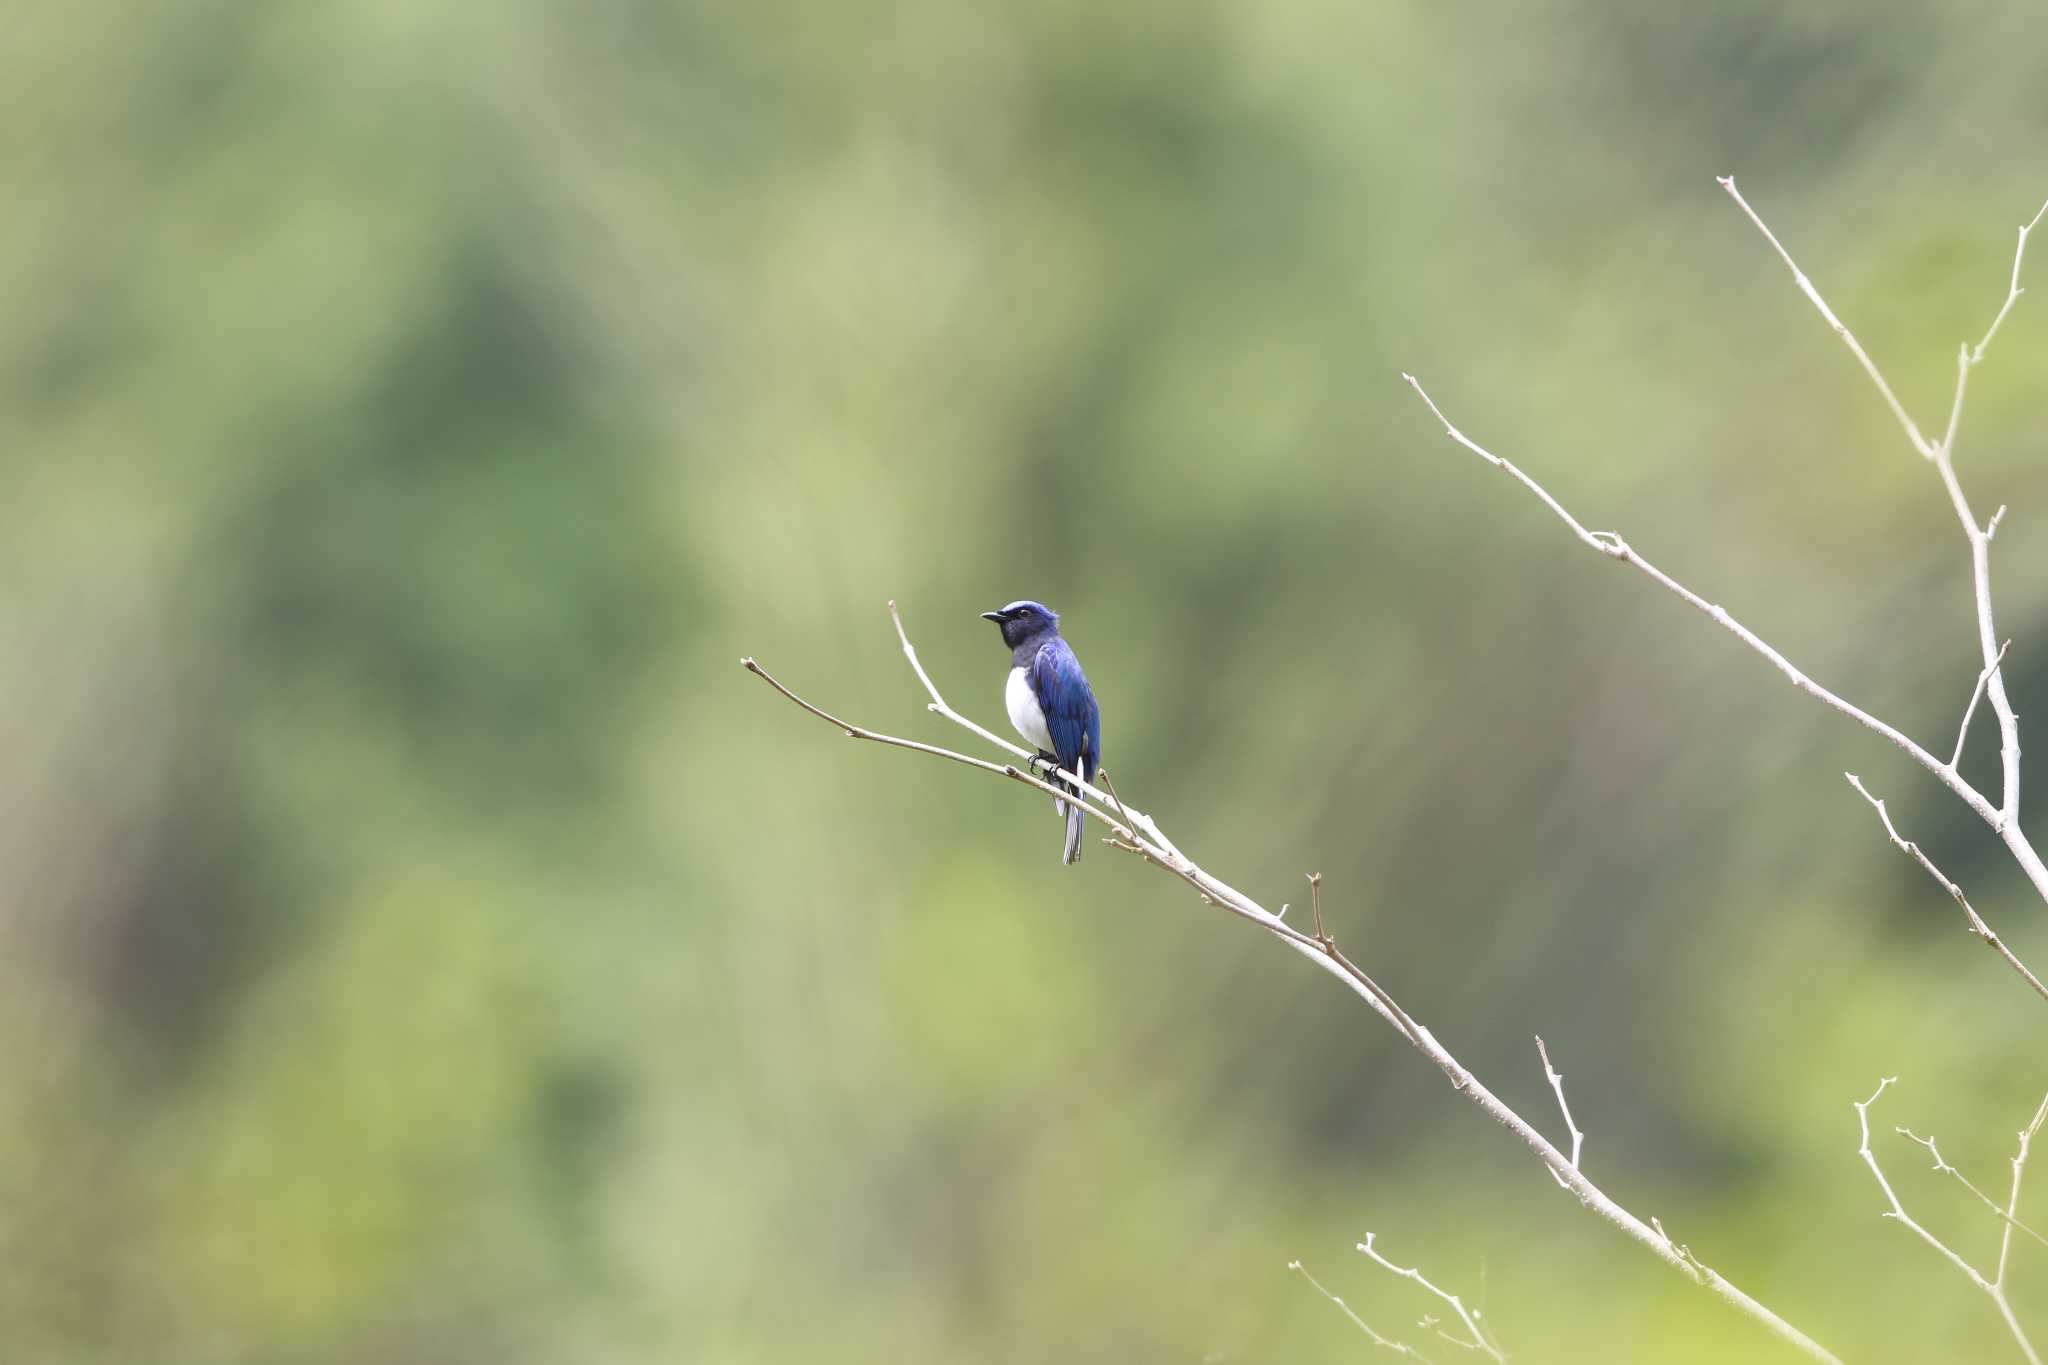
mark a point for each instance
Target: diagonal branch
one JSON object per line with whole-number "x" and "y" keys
{"x": 1983, "y": 675}
{"x": 1920, "y": 443}
{"x": 1977, "y": 925}
{"x": 1942, "y": 1167}
{"x": 1614, "y": 547}
{"x": 2013, "y": 291}
{"x": 1323, "y": 952}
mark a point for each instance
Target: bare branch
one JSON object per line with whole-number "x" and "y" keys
{"x": 1979, "y": 540}
{"x": 1994, "y": 1289}
{"x": 1942, "y": 1166}
{"x": 1479, "y": 1341}
{"x": 2006, "y": 818}
{"x": 1898, "y": 1210}
{"x": 2003, "y": 817}
{"x": 1384, "y": 1343}
{"x": 1848, "y": 338}
{"x": 1977, "y": 925}
{"x": 2019, "y": 1169}
{"x": 1557, "y": 1084}
{"x": 1963, "y": 731}
{"x": 1139, "y": 834}
{"x": 2013, "y": 291}
{"x": 1614, "y": 547}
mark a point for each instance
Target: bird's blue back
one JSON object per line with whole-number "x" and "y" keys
{"x": 1071, "y": 716}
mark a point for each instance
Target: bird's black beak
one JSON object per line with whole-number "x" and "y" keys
{"x": 994, "y": 616}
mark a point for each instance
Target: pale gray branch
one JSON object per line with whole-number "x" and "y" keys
{"x": 1799, "y": 277}
{"x": 2005, "y": 819}
{"x": 1983, "y": 674}
{"x": 1135, "y": 833}
{"x": 1480, "y": 1340}
{"x": 1614, "y": 547}
{"x": 2013, "y": 291}
{"x": 1994, "y": 1288}
{"x": 1977, "y": 925}
{"x": 1942, "y": 1166}
{"x": 2019, "y": 1169}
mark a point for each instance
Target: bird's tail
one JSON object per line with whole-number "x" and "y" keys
{"x": 1075, "y": 821}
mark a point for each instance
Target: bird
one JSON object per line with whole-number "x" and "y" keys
{"x": 1050, "y": 703}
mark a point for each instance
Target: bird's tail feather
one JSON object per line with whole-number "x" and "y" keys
{"x": 1076, "y": 818}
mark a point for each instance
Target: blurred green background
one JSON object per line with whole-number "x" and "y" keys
{"x": 421, "y": 942}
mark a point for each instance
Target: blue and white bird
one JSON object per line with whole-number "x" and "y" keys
{"x": 1049, "y": 702}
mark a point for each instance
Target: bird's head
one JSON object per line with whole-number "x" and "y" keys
{"x": 1021, "y": 620}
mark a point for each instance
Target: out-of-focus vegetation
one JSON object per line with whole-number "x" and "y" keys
{"x": 419, "y": 941}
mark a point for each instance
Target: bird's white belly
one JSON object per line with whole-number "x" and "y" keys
{"x": 1025, "y": 712}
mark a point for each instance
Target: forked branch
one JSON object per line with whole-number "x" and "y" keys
{"x": 2003, "y": 814}
{"x": 1476, "y": 1337}
{"x": 1992, "y": 1286}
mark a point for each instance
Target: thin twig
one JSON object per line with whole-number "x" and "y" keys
{"x": 1480, "y": 1340}
{"x": 1103, "y": 773}
{"x": 1942, "y": 1166}
{"x": 1994, "y": 1288}
{"x": 1315, "y": 899}
{"x": 2012, "y": 1202}
{"x": 1983, "y": 675}
{"x": 2013, "y": 291}
{"x": 1557, "y": 1084}
{"x": 1384, "y": 1343}
{"x": 1942, "y": 455}
{"x": 1977, "y": 925}
{"x": 1140, "y": 834}
{"x": 1841, "y": 330}
{"x": 1614, "y": 547}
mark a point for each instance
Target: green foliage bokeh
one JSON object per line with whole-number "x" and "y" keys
{"x": 423, "y": 942}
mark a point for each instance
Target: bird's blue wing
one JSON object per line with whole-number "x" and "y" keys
{"x": 1069, "y": 705}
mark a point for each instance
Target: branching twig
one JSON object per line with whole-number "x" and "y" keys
{"x": 1983, "y": 676}
{"x": 2013, "y": 291}
{"x": 1614, "y": 547}
{"x": 1942, "y": 455}
{"x": 1848, "y": 338}
{"x": 1384, "y": 1343}
{"x": 1557, "y": 1084}
{"x": 1942, "y": 1166}
{"x": 2002, "y": 816}
{"x": 1977, "y": 925}
{"x": 1480, "y": 1340}
{"x": 2019, "y": 1169}
{"x": 1140, "y": 834}
{"x": 1994, "y": 1287}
